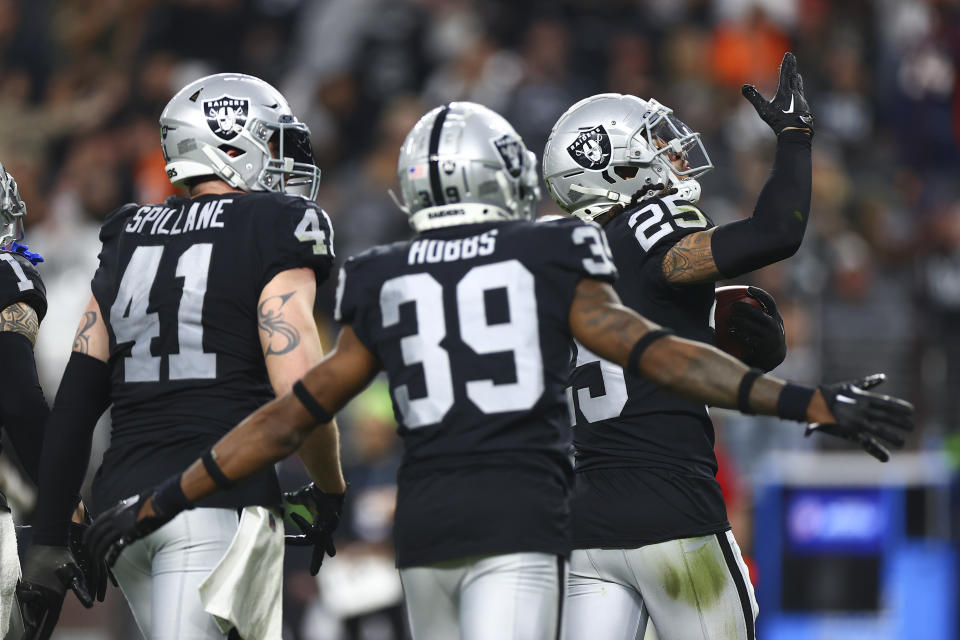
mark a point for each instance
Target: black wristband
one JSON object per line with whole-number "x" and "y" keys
{"x": 169, "y": 499}
{"x": 743, "y": 393}
{"x": 793, "y": 402}
{"x": 210, "y": 464}
{"x": 310, "y": 403}
{"x": 633, "y": 362}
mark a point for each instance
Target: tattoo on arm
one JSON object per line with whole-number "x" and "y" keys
{"x": 20, "y": 318}
{"x": 690, "y": 261}
{"x": 283, "y": 337}
{"x": 81, "y": 342}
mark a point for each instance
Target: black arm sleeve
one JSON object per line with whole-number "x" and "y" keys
{"x": 83, "y": 396}
{"x": 23, "y": 409}
{"x": 779, "y": 220}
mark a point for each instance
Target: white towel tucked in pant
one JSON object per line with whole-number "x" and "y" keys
{"x": 245, "y": 589}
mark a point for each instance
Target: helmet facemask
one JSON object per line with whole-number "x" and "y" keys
{"x": 667, "y": 138}
{"x": 12, "y": 210}
{"x": 293, "y": 170}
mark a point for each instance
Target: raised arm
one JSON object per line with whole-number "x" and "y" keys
{"x": 291, "y": 346}
{"x": 779, "y": 221}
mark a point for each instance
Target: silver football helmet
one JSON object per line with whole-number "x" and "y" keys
{"x": 461, "y": 164}
{"x": 12, "y": 209}
{"x": 608, "y": 147}
{"x": 225, "y": 124}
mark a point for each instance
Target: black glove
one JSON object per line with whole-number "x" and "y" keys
{"x": 760, "y": 331}
{"x": 119, "y": 527}
{"x": 95, "y": 571}
{"x": 48, "y": 572}
{"x": 789, "y": 107}
{"x": 325, "y": 510}
{"x": 868, "y": 419}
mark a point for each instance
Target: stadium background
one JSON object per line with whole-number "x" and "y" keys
{"x": 876, "y": 285}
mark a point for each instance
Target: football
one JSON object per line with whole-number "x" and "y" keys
{"x": 724, "y": 297}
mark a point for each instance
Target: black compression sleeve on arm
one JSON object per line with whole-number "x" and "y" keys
{"x": 779, "y": 220}
{"x": 83, "y": 396}
{"x": 23, "y": 409}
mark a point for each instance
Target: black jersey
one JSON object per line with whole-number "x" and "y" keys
{"x": 644, "y": 455}
{"x": 178, "y": 286}
{"x": 20, "y": 282}
{"x": 471, "y": 324}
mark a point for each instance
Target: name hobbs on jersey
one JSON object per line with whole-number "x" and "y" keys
{"x": 198, "y": 217}
{"x": 435, "y": 250}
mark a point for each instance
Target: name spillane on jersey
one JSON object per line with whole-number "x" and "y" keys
{"x": 471, "y": 325}
{"x": 20, "y": 282}
{"x": 631, "y": 423}
{"x": 178, "y": 286}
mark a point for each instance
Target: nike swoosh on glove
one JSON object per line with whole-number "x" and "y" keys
{"x": 870, "y": 420}
{"x": 789, "y": 106}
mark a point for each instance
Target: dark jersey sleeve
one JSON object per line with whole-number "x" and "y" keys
{"x": 110, "y": 232}
{"x": 352, "y": 306}
{"x": 656, "y": 226}
{"x": 20, "y": 282}
{"x": 297, "y": 235}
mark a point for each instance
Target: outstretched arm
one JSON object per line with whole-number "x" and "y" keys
{"x": 609, "y": 329}
{"x": 278, "y": 429}
{"x": 614, "y": 332}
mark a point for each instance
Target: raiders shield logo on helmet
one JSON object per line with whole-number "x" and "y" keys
{"x": 226, "y": 116}
{"x": 591, "y": 149}
{"x": 509, "y": 149}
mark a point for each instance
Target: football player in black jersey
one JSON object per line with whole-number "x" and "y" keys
{"x": 471, "y": 321}
{"x": 649, "y": 523}
{"x": 201, "y": 310}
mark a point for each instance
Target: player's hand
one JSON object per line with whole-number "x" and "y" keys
{"x": 125, "y": 523}
{"x": 870, "y": 420}
{"x": 95, "y": 570}
{"x": 48, "y": 572}
{"x": 789, "y": 106}
{"x": 324, "y": 510}
{"x": 760, "y": 331}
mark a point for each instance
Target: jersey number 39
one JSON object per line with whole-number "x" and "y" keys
{"x": 520, "y": 336}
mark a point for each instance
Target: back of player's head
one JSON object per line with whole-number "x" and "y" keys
{"x": 463, "y": 163}
{"x": 608, "y": 147}
{"x": 224, "y": 125}
{"x": 12, "y": 209}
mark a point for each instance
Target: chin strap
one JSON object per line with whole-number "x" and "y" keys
{"x": 613, "y": 196}
{"x": 225, "y": 171}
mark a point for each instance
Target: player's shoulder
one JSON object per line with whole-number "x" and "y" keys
{"x": 381, "y": 257}
{"x": 275, "y": 203}
{"x": 116, "y": 220}
{"x": 20, "y": 280}
{"x": 658, "y": 221}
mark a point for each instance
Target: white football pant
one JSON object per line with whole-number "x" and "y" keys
{"x": 160, "y": 575}
{"x": 516, "y": 596}
{"x": 692, "y": 589}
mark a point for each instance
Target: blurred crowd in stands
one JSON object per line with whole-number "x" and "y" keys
{"x": 875, "y": 287}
